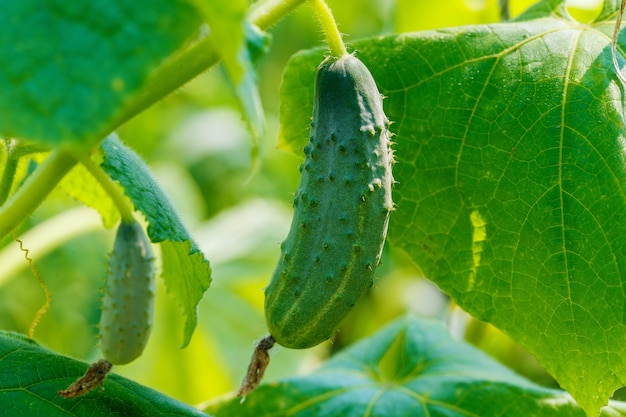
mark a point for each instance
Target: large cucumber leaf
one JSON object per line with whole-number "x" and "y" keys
{"x": 409, "y": 368}
{"x": 186, "y": 272}
{"x": 70, "y": 67}
{"x": 511, "y": 182}
{"x": 31, "y": 375}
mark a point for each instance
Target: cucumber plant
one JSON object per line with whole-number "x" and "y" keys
{"x": 510, "y": 174}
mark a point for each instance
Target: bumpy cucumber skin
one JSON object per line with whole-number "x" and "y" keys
{"x": 341, "y": 209}
{"x": 128, "y": 302}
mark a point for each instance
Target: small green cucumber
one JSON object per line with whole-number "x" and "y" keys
{"x": 128, "y": 302}
{"x": 341, "y": 209}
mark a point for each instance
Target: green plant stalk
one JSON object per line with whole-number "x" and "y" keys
{"x": 120, "y": 201}
{"x": 35, "y": 189}
{"x": 329, "y": 26}
{"x": 174, "y": 73}
{"x": 187, "y": 65}
{"x": 265, "y": 14}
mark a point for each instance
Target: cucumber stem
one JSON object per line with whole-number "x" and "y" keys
{"x": 120, "y": 201}
{"x": 329, "y": 26}
{"x": 34, "y": 190}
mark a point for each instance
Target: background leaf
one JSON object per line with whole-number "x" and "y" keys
{"x": 30, "y": 377}
{"x": 227, "y": 24}
{"x": 187, "y": 274}
{"x": 510, "y": 179}
{"x": 69, "y": 67}
{"x": 81, "y": 185}
{"x": 409, "y": 368}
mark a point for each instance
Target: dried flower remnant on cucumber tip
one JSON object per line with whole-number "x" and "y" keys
{"x": 256, "y": 369}
{"x": 94, "y": 376}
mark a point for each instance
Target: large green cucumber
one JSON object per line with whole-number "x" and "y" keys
{"x": 128, "y": 302}
{"x": 341, "y": 209}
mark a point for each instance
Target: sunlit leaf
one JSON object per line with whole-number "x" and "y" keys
{"x": 510, "y": 177}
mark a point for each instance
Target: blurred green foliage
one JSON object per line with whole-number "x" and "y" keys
{"x": 200, "y": 150}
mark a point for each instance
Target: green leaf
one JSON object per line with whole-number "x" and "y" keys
{"x": 296, "y": 100}
{"x": 186, "y": 272}
{"x": 409, "y": 368}
{"x": 81, "y": 185}
{"x": 511, "y": 190}
{"x": 30, "y": 377}
{"x": 69, "y": 67}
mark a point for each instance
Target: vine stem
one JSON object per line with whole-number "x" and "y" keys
{"x": 329, "y": 26}
{"x": 185, "y": 66}
{"x": 266, "y": 13}
{"x": 120, "y": 201}
{"x": 35, "y": 189}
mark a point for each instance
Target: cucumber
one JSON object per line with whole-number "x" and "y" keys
{"x": 128, "y": 302}
{"x": 341, "y": 209}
